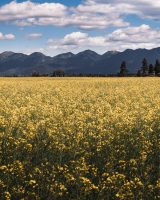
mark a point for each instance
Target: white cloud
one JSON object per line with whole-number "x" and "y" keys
{"x": 131, "y": 37}
{"x": 90, "y": 14}
{"x": 9, "y": 36}
{"x": 28, "y": 13}
{"x": 76, "y": 40}
{"x": 34, "y": 36}
{"x": 142, "y": 8}
{"x": 28, "y": 9}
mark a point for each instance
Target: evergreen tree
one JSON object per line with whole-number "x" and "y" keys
{"x": 123, "y": 69}
{"x": 151, "y": 69}
{"x": 145, "y": 66}
{"x": 157, "y": 67}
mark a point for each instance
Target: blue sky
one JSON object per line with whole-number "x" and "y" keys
{"x": 66, "y": 2}
{"x": 59, "y": 26}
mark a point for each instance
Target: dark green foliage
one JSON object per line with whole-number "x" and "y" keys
{"x": 151, "y": 69}
{"x": 144, "y": 66}
{"x": 123, "y": 69}
{"x": 157, "y": 67}
{"x": 58, "y": 73}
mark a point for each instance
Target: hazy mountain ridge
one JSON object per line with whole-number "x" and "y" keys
{"x": 84, "y": 62}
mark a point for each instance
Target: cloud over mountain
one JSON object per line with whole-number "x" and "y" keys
{"x": 120, "y": 39}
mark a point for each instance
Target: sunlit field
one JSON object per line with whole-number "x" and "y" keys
{"x": 79, "y": 138}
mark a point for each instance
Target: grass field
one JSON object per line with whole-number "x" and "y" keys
{"x": 79, "y": 138}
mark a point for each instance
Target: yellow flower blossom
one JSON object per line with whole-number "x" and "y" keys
{"x": 79, "y": 138}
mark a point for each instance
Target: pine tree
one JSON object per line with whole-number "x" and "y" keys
{"x": 151, "y": 70}
{"x": 157, "y": 67}
{"x": 123, "y": 69}
{"x": 144, "y": 66}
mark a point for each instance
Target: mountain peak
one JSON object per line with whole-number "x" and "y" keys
{"x": 88, "y": 52}
{"x": 111, "y": 53}
{"x": 6, "y": 54}
{"x": 129, "y": 50}
{"x": 64, "y": 55}
{"x": 37, "y": 54}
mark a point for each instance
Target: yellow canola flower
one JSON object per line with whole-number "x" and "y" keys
{"x": 79, "y": 138}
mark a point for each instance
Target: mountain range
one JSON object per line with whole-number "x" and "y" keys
{"x": 84, "y": 62}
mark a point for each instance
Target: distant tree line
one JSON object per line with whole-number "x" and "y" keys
{"x": 61, "y": 73}
{"x": 145, "y": 70}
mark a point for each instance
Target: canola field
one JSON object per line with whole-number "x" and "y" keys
{"x": 79, "y": 138}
